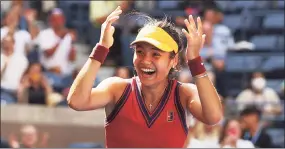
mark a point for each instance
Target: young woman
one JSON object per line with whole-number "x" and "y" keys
{"x": 149, "y": 110}
{"x": 231, "y": 136}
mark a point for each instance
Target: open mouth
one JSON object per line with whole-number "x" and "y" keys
{"x": 148, "y": 71}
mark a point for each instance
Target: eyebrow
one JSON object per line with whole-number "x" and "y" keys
{"x": 152, "y": 47}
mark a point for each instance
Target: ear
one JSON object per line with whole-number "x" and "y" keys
{"x": 175, "y": 61}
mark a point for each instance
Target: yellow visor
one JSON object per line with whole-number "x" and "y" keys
{"x": 157, "y": 37}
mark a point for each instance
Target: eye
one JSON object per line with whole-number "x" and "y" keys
{"x": 139, "y": 52}
{"x": 156, "y": 54}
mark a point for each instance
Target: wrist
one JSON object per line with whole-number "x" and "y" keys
{"x": 192, "y": 57}
{"x": 99, "y": 53}
{"x": 103, "y": 44}
{"x": 196, "y": 66}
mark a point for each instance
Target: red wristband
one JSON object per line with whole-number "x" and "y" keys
{"x": 196, "y": 66}
{"x": 99, "y": 53}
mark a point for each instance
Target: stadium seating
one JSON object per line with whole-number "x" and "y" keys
{"x": 265, "y": 42}
{"x": 274, "y": 63}
{"x": 274, "y": 84}
{"x": 274, "y": 21}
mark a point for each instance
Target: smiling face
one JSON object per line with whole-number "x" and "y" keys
{"x": 152, "y": 65}
{"x": 233, "y": 129}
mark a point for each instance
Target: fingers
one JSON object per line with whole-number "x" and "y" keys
{"x": 111, "y": 21}
{"x": 192, "y": 23}
{"x": 116, "y": 12}
{"x": 188, "y": 26}
{"x": 191, "y": 26}
{"x": 203, "y": 40}
{"x": 200, "y": 26}
{"x": 113, "y": 17}
{"x": 186, "y": 34}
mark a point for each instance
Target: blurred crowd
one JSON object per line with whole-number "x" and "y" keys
{"x": 38, "y": 57}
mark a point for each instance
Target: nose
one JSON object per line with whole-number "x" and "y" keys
{"x": 147, "y": 59}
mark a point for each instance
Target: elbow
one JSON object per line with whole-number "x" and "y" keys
{"x": 215, "y": 119}
{"x": 75, "y": 105}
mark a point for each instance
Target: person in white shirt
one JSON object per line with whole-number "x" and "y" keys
{"x": 13, "y": 66}
{"x": 231, "y": 136}
{"x": 22, "y": 37}
{"x": 219, "y": 37}
{"x": 55, "y": 43}
{"x": 259, "y": 95}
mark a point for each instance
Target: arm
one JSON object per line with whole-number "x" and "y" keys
{"x": 203, "y": 100}
{"x": 46, "y": 85}
{"x": 81, "y": 95}
{"x": 23, "y": 93}
{"x": 72, "y": 54}
{"x": 3, "y": 63}
{"x": 50, "y": 52}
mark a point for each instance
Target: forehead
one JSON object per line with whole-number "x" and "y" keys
{"x": 56, "y": 17}
{"x": 147, "y": 46}
{"x": 234, "y": 123}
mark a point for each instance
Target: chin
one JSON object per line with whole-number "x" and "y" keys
{"x": 149, "y": 80}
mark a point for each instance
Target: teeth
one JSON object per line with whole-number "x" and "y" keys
{"x": 147, "y": 70}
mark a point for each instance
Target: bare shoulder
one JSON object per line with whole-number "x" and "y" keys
{"x": 186, "y": 92}
{"x": 187, "y": 89}
{"x": 115, "y": 85}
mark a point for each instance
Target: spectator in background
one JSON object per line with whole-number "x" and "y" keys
{"x": 57, "y": 52}
{"x": 29, "y": 138}
{"x": 218, "y": 36}
{"x": 22, "y": 37}
{"x": 208, "y": 135}
{"x": 218, "y": 40}
{"x": 260, "y": 95}
{"x": 34, "y": 87}
{"x": 122, "y": 72}
{"x": 231, "y": 136}
{"x": 13, "y": 66}
{"x": 99, "y": 10}
{"x": 253, "y": 129}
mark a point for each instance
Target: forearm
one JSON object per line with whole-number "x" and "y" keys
{"x": 79, "y": 93}
{"x": 72, "y": 55}
{"x": 51, "y": 51}
{"x": 210, "y": 101}
{"x": 23, "y": 95}
{"x": 209, "y": 98}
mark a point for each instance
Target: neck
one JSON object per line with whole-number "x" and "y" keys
{"x": 154, "y": 92}
{"x": 253, "y": 130}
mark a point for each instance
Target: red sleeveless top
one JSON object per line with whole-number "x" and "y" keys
{"x": 131, "y": 125}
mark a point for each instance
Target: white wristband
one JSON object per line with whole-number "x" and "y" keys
{"x": 202, "y": 76}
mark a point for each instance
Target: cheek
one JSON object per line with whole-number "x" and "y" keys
{"x": 135, "y": 61}
{"x": 163, "y": 67}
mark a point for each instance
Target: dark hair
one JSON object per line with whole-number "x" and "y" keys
{"x": 251, "y": 109}
{"x": 173, "y": 31}
{"x": 32, "y": 63}
{"x": 224, "y": 128}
